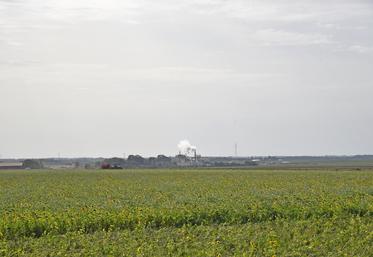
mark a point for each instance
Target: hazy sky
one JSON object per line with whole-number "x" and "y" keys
{"x": 107, "y": 77}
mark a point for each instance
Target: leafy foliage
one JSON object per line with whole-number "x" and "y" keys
{"x": 186, "y": 213}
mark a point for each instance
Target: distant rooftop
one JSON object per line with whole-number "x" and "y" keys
{"x": 10, "y": 164}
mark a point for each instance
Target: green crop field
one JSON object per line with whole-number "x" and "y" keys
{"x": 186, "y": 213}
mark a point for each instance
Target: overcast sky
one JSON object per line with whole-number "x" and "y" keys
{"x": 107, "y": 77}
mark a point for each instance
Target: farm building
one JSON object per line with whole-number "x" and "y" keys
{"x": 11, "y": 166}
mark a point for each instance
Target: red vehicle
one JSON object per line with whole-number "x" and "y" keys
{"x": 105, "y": 166}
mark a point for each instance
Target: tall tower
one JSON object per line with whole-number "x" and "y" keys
{"x": 235, "y": 149}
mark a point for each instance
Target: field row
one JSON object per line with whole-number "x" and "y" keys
{"x": 186, "y": 213}
{"x": 316, "y": 237}
{"x": 36, "y": 224}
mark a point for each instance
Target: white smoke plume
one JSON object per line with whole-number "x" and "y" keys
{"x": 186, "y": 148}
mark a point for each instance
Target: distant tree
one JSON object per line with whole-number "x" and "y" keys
{"x": 136, "y": 159}
{"x": 115, "y": 161}
{"x": 250, "y": 163}
{"x": 97, "y": 164}
{"x": 32, "y": 164}
{"x": 152, "y": 161}
{"x": 163, "y": 158}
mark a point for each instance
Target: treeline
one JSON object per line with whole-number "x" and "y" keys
{"x": 138, "y": 161}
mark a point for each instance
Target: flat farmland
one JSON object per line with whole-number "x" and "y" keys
{"x": 186, "y": 212}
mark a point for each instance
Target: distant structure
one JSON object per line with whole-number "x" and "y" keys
{"x": 11, "y": 166}
{"x": 235, "y": 150}
{"x": 195, "y": 154}
{"x": 187, "y": 154}
{"x": 32, "y": 164}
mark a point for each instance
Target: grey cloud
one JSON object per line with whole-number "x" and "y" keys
{"x": 361, "y": 49}
{"x": 279, "y": 77}
{"x": 279, "y": 37}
